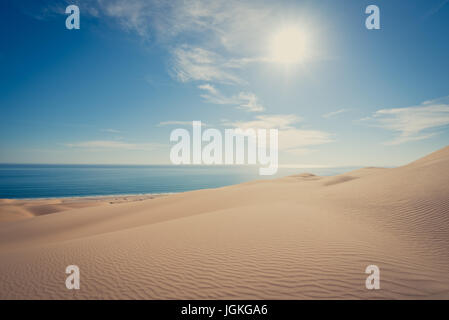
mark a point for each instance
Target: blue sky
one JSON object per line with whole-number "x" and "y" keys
{"x": 113, "y": 91}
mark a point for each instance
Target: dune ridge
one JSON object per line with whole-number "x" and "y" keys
{"x": 298, "y": 237}
{"x": 19, "y": 209}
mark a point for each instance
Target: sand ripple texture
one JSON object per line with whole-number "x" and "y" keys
{"x": 299, "y": 237}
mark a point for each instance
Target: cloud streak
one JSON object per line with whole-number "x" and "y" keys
{"x": 178, "y": 123}
{"x": 334, "y": 113}
{"x": 243, "y": 100}
{"x": 435, "y": 9}
{"x": 112, "y": 144}
{"x": 110, "y": 130}
{"x": 195, "y": 64}
{"x": 412, "y": 123}
{"x": 291, "y": 139}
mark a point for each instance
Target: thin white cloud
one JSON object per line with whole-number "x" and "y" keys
{"x": 291, "y": 139}
{"x": 436, "y": 8}
{"x": 110, "y": 130}
{"x": 57, "y": 8}
{"x": 243, "y": 100}
{"x": 211, "y": 90}
{"x": 225, "y": 23}
{"x": 132, "y": 15}
{"x": 178, "y": 123}
{"x": 228, "y": 33}
{"x": 249, "y": 102}
{"x": 294, "y": 139}
{"x": 111, "y": 144}
{"x": 279, "y": 121}
{"x": 334, "y": 113}
{"x": 412, "y": 123}
{"x": 194, "y": 64}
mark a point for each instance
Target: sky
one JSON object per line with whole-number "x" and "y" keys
{"x": 112, "y": 91}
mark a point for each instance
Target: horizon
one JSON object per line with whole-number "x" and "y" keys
{"x": 286, "y": 166}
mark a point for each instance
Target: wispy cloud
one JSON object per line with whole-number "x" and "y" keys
{"x": 412, "y": 123}
{"x": 110, "y": 130}
{"x": 45, "y": 10}
{"x": 243, "y": 100}
{"x": 212, "y": 27}
{"x": 278, "y": 121}
{"x": 194, "y": 63}
{"x": 178, "y": 123}
{"x": 111, "y": 144}
{"x": 132, "y": 15}
{"x": 291, "y": 139}
{"x": 436, "y": 8}
{"x": 334, "y": 113}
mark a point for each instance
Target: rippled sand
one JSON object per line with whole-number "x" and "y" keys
{"x": 298, "y": 237}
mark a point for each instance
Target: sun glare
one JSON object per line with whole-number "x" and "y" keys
{"x": 289, "y": 45}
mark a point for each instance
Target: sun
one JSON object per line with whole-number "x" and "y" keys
{"x": 289, "y": 45}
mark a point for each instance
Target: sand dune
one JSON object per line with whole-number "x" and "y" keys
{"x": 298, "y": 237}
{"x": 13, "y": 209}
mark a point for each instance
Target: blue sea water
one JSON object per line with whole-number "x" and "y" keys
{"x": 48, "y": 181}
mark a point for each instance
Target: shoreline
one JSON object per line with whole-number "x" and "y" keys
{"x": 54, "y": 183}
{"x": 96, "y": 196}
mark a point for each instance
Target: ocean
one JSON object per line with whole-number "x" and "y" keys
{"x": 51, "y": 181}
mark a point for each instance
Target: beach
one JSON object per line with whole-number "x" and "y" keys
{"x": 297, "y": 237}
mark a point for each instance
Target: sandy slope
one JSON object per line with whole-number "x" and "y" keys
{"x": 298, "y": 237}
{"x": 17, "y": 209}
